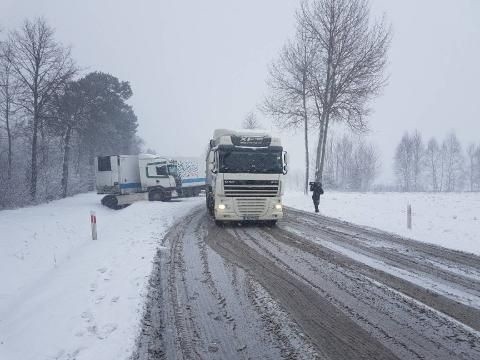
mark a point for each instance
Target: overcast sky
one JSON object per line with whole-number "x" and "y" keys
{"x": 198, "y": 65}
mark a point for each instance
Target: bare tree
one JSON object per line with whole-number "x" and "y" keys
{"x": 454, "y": 162}
{"x": 403, "y": 163}
{"x": 351, "y": 164}
{"x": 476, "y": 175}
{"x": 290, "y": 90}
{"x": 418, "y": 156}
{"x": 443, "y": 165}
{"x": 8, "y": 93}
{"x": 473, "y": 153}
{"x": 250, "y": 121}
{"x": 345, "y": 149}
{"x": 68, "y": 116}
{"x": 41, "y": 66}
{"x": 433, "y": 158}
{"x": 332, "y": 163}
{"x": 349, "y": 63}
{"x": 364, "y": 166}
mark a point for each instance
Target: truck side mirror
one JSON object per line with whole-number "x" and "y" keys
{"x": 285, "y": 162}
{"x": 213, "y": 164}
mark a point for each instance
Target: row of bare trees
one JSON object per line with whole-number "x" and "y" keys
{"x": 352, "y": 164}
{"x": 435, "y": 166}
{"x": 53, "y": 121}
{"x": 329, "y": 72}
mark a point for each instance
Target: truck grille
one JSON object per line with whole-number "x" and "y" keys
{"x": 251, "y": 206}
{"x": 250, "y": 188}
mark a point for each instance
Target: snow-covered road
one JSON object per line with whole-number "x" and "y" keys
{"x": 313, "y": 287}
{"x": 164, "y": 282}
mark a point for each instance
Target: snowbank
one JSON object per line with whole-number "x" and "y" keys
{"x": 450, "y": 220}
{"x": 64, "y": 296}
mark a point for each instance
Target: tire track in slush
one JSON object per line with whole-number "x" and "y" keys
{"x": 406, "y": 326}
{"x": 330, "y": 330}
{"x": 240, "y": 309}
{"x": 404, "y": 256}
{"x": 209, "y": 308}
{"x": 182, "y": 318}
{"x": 256, "y": 292}
{"x": 461, "y": 312}
{"x": 351, "y": 311}
{"x": 372, "y": 235}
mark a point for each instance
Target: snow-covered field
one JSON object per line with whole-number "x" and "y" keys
{"x": 450, "y": 220}
{"x": 64, "y": 296}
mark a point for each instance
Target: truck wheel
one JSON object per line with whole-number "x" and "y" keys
{"x": 219, "y": 223}
{"x": 210, "y": 204}
{"x": 211, "y": 208}
{"x": 271, "y": 223}
{"x": 111, "y": 202}
{"x": 156, "y": 195}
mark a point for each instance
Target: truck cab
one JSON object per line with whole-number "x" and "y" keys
{"x": 157, "y": 177}
{"x": 125, "y": 179}
{"x": 245, "y": 176}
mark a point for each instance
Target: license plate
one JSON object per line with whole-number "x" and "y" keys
{"x": 250, "y": 218}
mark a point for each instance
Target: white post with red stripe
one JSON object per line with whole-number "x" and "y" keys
{"x": 93, "y": 223}
{"x": 409, "y": 216}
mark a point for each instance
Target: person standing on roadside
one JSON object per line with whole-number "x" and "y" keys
{"x": 316, "y": 187}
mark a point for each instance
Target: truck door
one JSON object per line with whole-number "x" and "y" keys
{"x": 107, "y": 171}
{"x": 157, "y": 174}
{"x": 115, "y": 173}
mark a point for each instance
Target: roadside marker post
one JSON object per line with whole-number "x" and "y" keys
{"x": 93, "y": 223}
{"x": 409, "y": 216}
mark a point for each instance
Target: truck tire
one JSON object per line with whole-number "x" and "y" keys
{"x": 211, "y": 207}
{"x": 210, "y": 203}
{"x": 219, "y": 223}
{"x": 271, "y": 223}
{"x": 156, "y": 195}
{"x": 111, "y": 202}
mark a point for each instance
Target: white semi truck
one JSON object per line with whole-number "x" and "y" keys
{"x": 129, "y": 178}
{"x": 190, "y": 178}
{"x": 245, "y": 176}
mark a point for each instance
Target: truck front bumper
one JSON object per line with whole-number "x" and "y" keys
{"x": 248, "y": 209}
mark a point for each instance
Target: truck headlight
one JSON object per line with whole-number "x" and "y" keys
{"x": 221, "y": 206}
{"x": 278, "y": 206}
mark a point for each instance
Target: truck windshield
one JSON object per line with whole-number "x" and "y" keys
{"x": 263, "y": 162}
{"x": 172, "y": 170}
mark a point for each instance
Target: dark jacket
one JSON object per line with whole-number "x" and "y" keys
{"x": 316, "y": 187}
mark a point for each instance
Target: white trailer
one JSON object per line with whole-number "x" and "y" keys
{"x": 245, "y": 176}
{"x": 129, "y": 178}
{"x": 191, "y": 175}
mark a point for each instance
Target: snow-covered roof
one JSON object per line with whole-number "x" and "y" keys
{"x": 148, "y": 156}
{"x": 242, "y": 132}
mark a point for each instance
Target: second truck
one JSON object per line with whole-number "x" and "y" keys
{"x": 124, "y": 179}
{"x": 244, "y": 176}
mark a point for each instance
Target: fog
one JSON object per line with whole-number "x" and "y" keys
{"x": 196, "y": 66}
